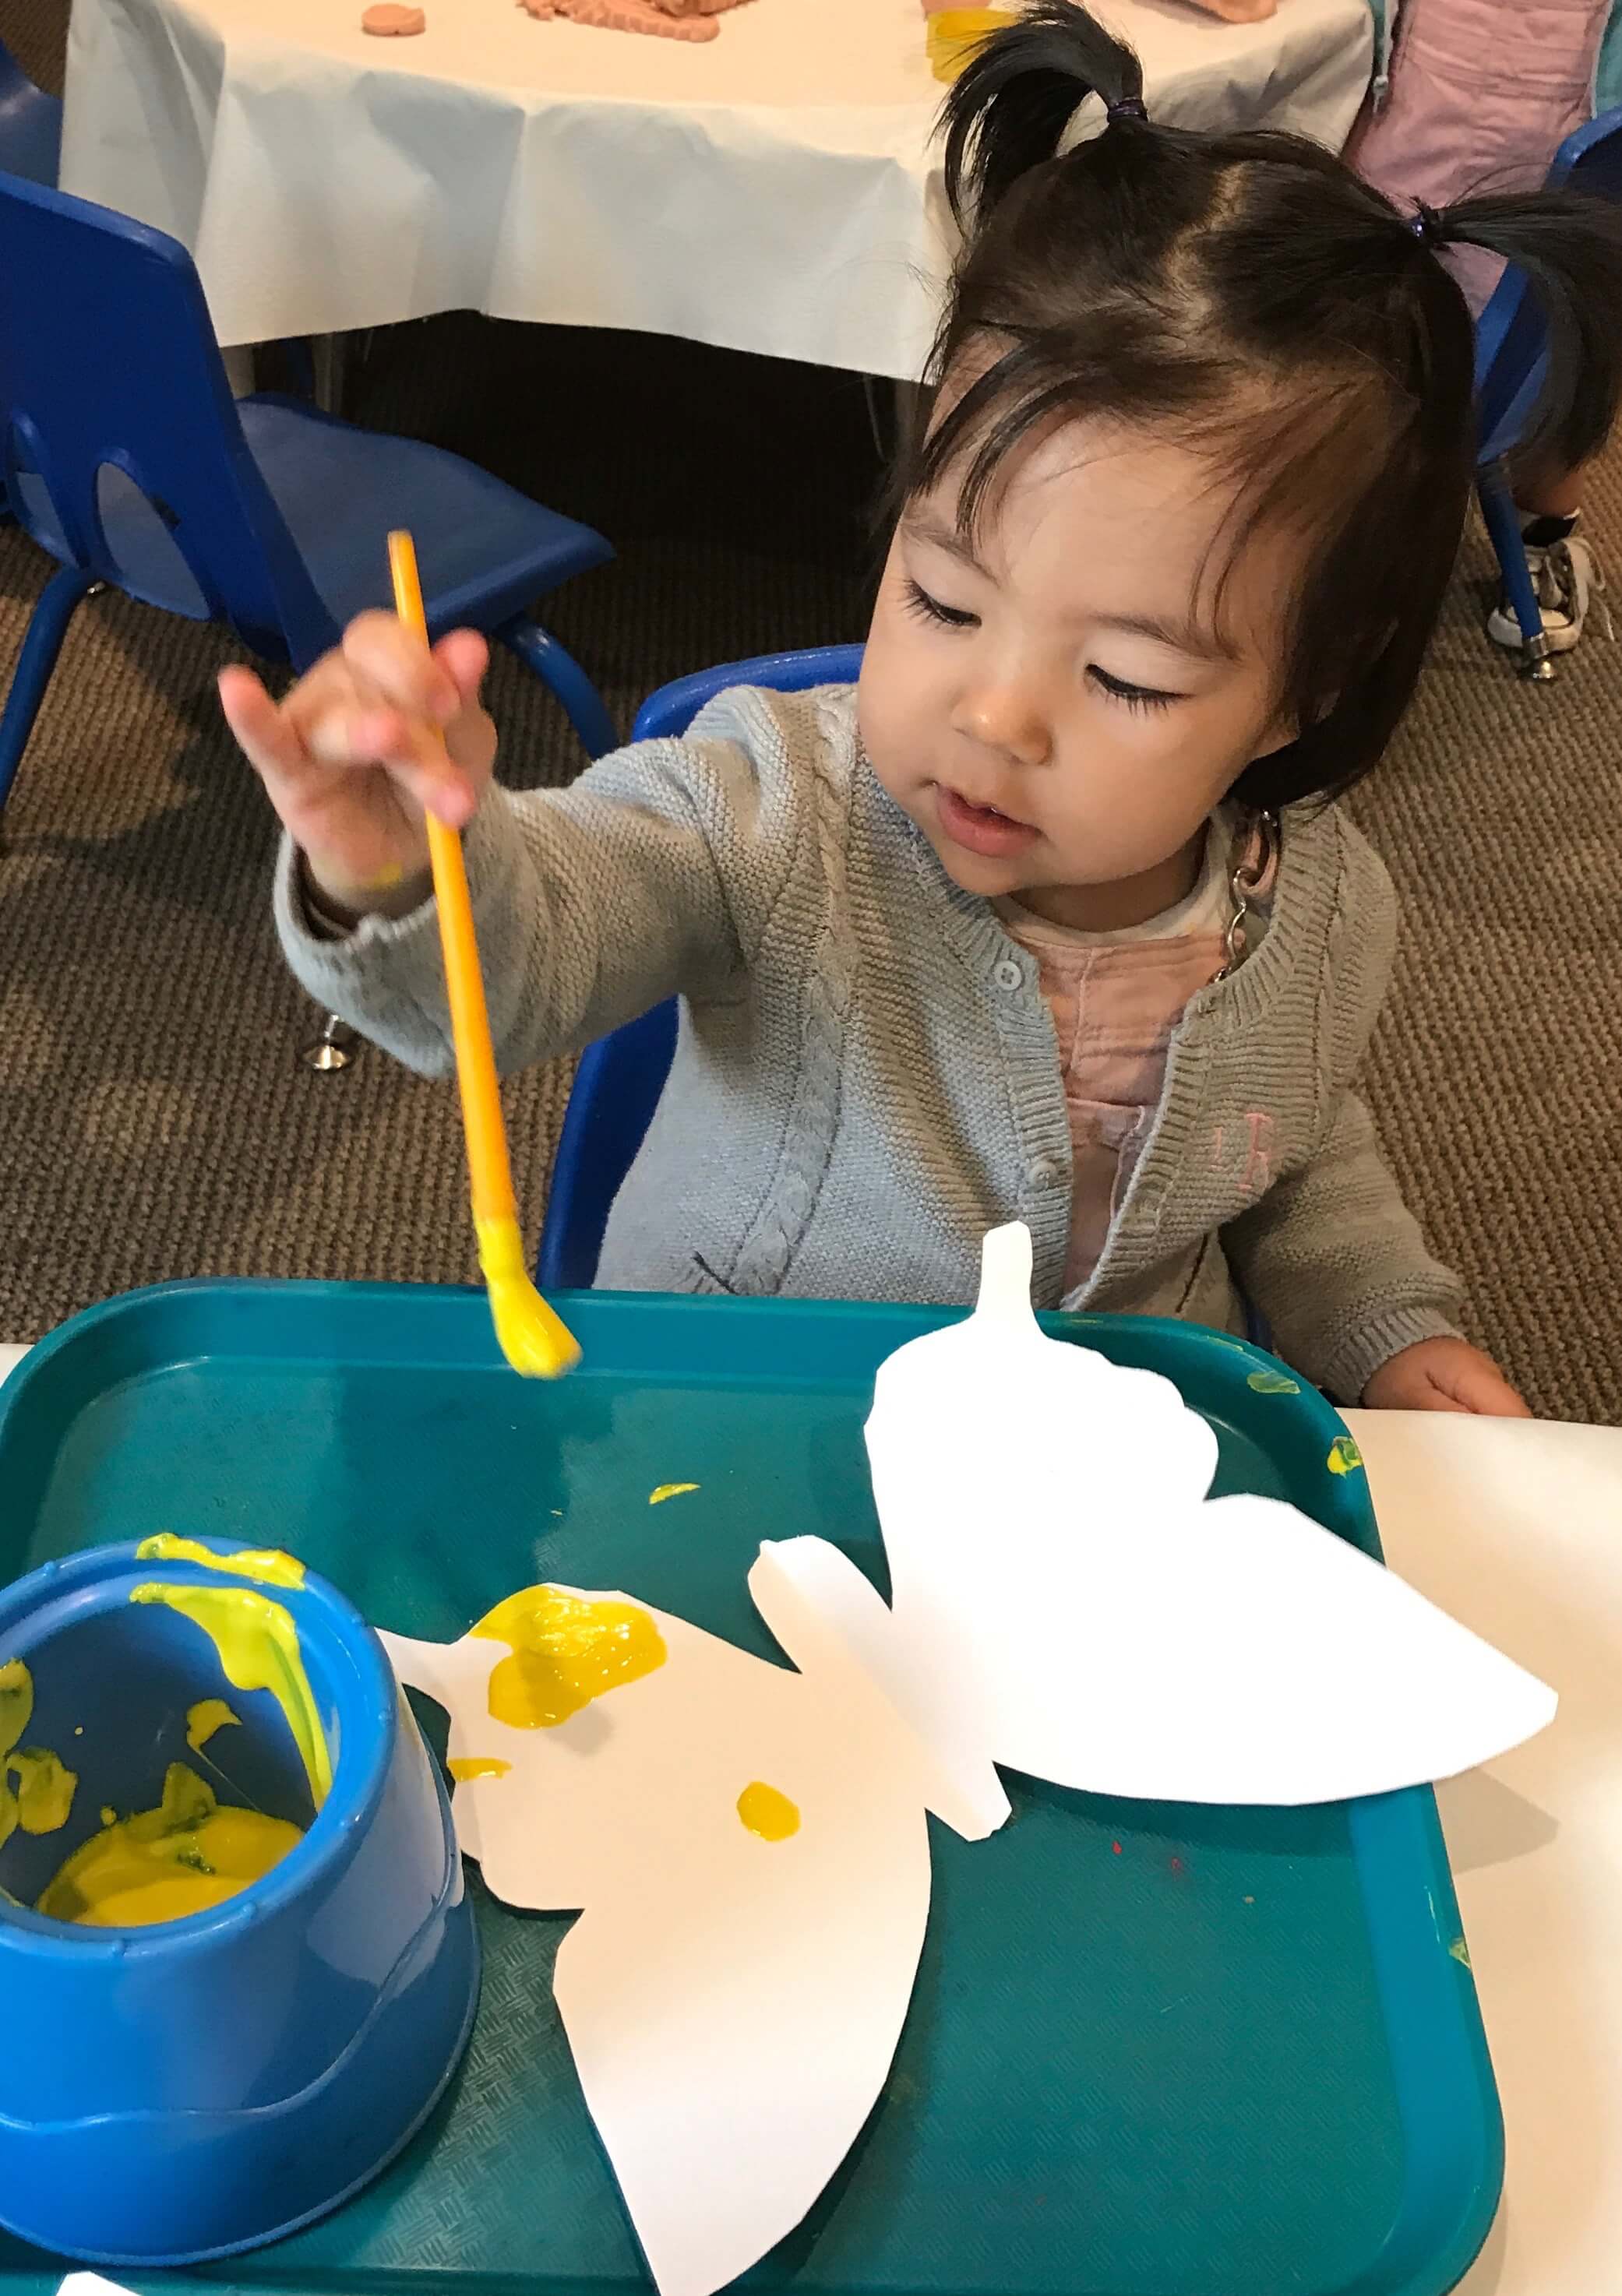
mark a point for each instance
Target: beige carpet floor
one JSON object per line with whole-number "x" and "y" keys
{"x": 154, "y": 1120}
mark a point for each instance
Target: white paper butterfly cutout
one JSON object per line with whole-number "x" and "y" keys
{"x": 1065, "y": 1601}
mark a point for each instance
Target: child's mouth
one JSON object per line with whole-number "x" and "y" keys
{"x": 981, "y": 828}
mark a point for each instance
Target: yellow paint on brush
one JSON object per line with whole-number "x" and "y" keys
{"x": 1344, "y": 1456}
{"x": 268, "y": 1566}
{"x": 259, "y": 1649}
{"x": 45, "y": 1788}
{"x": 163, "y": 1864}
{"x": 768, "y": 1813}
{"x": 464, "y": 1767}
{"x": 203, "y": 1719}
{"x": 566, "y": 1651}
{"x": 669, "y": 1491}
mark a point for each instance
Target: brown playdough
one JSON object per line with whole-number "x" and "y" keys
{"x": 666, "y": 20}
{"x": 389, "y": 21}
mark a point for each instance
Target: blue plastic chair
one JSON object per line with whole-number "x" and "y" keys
{"x": 1511, "y": 342}
{"x": 125, "y": 455}
{"x": 30, "y": 124}
{"x": 621, "y": 1077}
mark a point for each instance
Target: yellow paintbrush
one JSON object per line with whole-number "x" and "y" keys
{"x": 534, "y": 1339}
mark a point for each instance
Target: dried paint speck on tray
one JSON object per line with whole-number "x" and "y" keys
{"x": 657, "y": 1496}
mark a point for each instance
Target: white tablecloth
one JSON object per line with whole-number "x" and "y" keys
{"x": 772, "y": 190}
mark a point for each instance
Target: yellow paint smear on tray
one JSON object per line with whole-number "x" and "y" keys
{"x": 267, "y": 1565}
{"x": 1344, "y": 1456}
{"x": 259, "y": 1649}
{"x": 669, "y": 1491}
{"x": 466, "y": 1766}
{"x": 163, "y": 1864}
{"x": 768, "y": 1813}
{"x": 566, "y": 1651}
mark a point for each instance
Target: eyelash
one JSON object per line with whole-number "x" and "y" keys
{"x": 1134, "y": 697}
{"x": 931, "y": 610}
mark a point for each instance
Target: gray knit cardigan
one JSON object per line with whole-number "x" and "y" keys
{"x": 867, "y": 1077}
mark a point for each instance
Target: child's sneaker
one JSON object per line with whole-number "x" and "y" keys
{"x": 1565, "y": 580}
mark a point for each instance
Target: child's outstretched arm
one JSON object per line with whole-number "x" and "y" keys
{"x": 591, "y": 903}
{"x": 1336, "y": 1261}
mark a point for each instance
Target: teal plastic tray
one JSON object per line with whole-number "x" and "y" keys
{"x": 1154, "y": 2050}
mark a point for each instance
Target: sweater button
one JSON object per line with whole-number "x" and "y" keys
{"x": 1043, "y": 1172}
{"x": 1010, "y": 974}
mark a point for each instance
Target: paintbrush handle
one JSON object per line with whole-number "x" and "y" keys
{"x": 490, "y": 1166}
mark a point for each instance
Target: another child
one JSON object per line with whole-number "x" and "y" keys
{"x": 1478, "y": 96}
{"x": 1051, "y": 918}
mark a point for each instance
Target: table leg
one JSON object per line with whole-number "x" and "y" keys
{"x": 329, "y": 361}
{"x": 239, "y": 369}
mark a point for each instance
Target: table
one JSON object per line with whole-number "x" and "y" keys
{"x": 770, "y": 191}
{"x": 1516, "y": 1527}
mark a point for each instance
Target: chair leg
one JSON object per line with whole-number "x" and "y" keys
{"x": 1504, "y": 525}
{"x": 556, "y": 668}
{"x": 40, "y": 647}
{"x": 333, "y": 1050}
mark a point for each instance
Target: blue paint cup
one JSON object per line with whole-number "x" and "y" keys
{"x": 179, "y": 2091}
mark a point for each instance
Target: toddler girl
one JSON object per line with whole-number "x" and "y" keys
{"x": 1051, "y": 918}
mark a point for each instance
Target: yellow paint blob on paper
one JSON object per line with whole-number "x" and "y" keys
{"x": 203, "y": 1719}
{"x": 1344, "y": 1456}
{"x": 768, "y": 1813}
{"x": 1271, "y": 1382}
{"x": 163, "y": 1864}
{"x": 45, "y": 1788}
{"x": 464, "y": 1767}
{"x": 566, "y": 1651}
{"x": 259, "y": 1649}
{"x": 669, "y": 1491}
{"x": 110, "y": 1817}
{"x": 268, "y": 1566}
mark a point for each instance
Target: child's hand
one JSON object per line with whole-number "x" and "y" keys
{"x": 1443, "y": 1375}
{"x": 368, "y": 738}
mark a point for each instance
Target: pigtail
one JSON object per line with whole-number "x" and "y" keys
{"x": 1014, "y": 99}
{"x": 1569, "y": 247}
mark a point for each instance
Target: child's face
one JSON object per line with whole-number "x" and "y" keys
{"x": 1059, "y": 709}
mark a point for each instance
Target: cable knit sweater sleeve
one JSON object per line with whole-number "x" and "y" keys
{"x": 652, "y": 874}
{"x": 1331, "y": 1255}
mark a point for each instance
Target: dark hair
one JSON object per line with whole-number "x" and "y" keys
{"x": 1246, "y": 295}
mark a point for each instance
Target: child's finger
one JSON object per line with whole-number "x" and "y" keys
{"x": 379, "y": 647}
{"x": 269, "y": 742}
{"x": 465, "y": 657}
{"x": 412, "y": 754}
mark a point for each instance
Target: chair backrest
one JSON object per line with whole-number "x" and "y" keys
{"x": 30, "y": 124}
{"x": 620, "y": 1077}
{"x": 1511, "y": 336}
{"x": 108, "y": 363}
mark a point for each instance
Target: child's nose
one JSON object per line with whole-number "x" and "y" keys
{"x": 1006, "y": 716}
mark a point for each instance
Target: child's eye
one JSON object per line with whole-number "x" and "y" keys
{"x": 920, "y": 601}
{"x": 1136, "y": 697}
